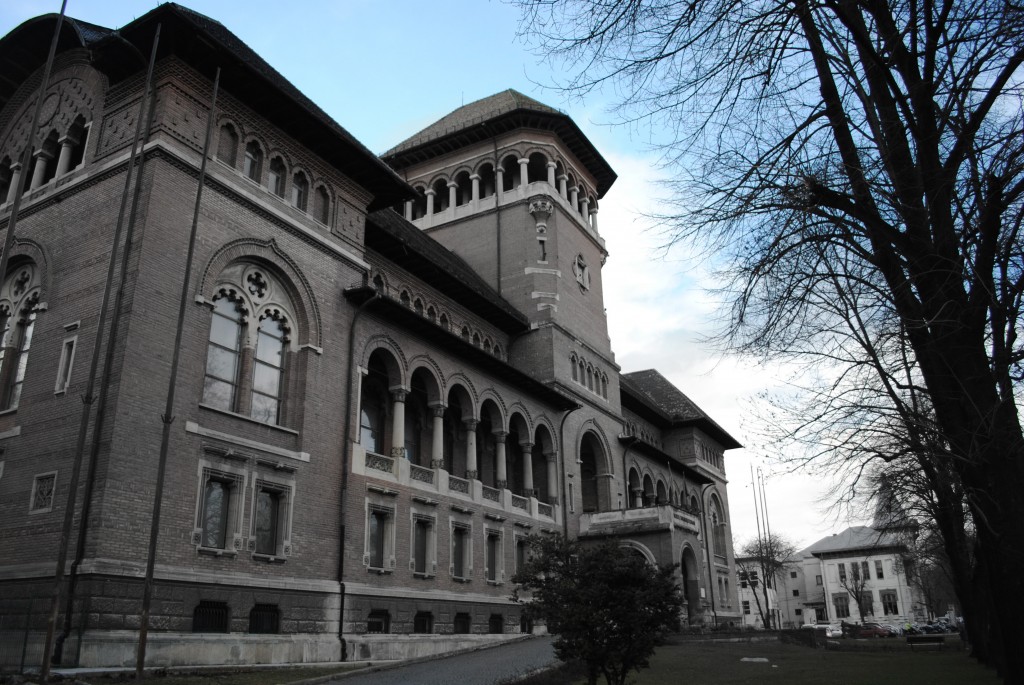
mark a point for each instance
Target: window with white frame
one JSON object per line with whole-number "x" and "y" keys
{"x": 379, "y": 551}
{"x": 67, "y": 361}
{"x": 878, "y": 569}
{"x": 494, "y": 556}
{"x": 842, "y": 605}
{"x": 423, "y": 552}
{"x": 44, "y": 488}
{"x": 890, "y": 602}
{"x": 461, "y": 567}
{"x": 219, "y": 508}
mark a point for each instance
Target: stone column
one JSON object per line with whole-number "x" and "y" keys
{"x": 408, "y": 210}
{"x": 527, "y": 448}
{"x": 15, "y": 187}
{"x": 593, "y": 218}
{"x": 499, "y": 454}
{"x": 551, "y": 174}
{"x": 398, "y": 423}
{"x": 524, "y": 174}
{"x": 471, "y": 470}
{"x": 499, "y": 182}
{"x": 562, "y": 190}
{"x": 552, "y": 458}
{"x": 39, "y": 171}
{"x": 585, "y": 209}
{"x": 574, "y": 198}
{"x": 67, "y": 144}
{"x": 430, "y": 200}
{"x": 453, "y": 193}
{"x": 638, "y": 498}
{"x": 475, "y": 178}
{"x": 437, "y": 442}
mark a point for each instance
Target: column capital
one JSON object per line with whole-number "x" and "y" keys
{"x": 526, "y": 446}
{"x": 500, "y": 434}
{"x": 523, "y": 160}
{"x": 470, "y": 424}
{"x": 399, "y": 394}
{"x": 437, "y": 411}
{"x": 552, "y": 165}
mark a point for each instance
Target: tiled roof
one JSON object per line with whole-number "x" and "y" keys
{"x": 388, "y": 233}
{"x": 493, "y": 116}
{"x": 474, "y": 113}
{"x": 667, "y": 399}
{"x": 854, "y": 538}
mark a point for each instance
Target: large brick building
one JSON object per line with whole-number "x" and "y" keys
{"x": 392, "y": 370}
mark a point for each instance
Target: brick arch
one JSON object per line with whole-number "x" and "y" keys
{"x": 424, "y": 363}
{"x": 24, "y": 249}
{"x": 461, "y": 380}
{"x": 268, "y": 254}
{"x": 395, "y": 361}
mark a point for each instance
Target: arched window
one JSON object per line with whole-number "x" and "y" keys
{"x": 300, "y": 190}
{"x": 253, "y": 163}
{"x": 321, "y": 205}
{"x": 227, "y": 145}
{"x": 537, "y": 168}
{"x": 718, "y": 528}
{"x": 275, "y": 179}
{"x": 509, "y": 173}
{"x": 440, "y": 188}
{"x": 5, "y": 178}
{"x": 373, "y": 407}
{"x": 223, "y": 354}
{"x": 268, "y": 369}
{"x": 464, "y": 190}
{"x": 486, "y": 180}
{"x": 248, "y": 346}
{"x": 19, "y": 298}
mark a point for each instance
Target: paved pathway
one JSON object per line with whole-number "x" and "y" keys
{"x": 481, "y": 667}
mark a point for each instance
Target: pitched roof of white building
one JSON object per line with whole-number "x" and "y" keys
{"x": 853, "y": 539}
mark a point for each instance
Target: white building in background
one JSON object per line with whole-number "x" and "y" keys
{"x": 754, "y": 606}
{"x": 820, "y": 583}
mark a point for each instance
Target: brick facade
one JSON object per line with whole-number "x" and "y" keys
{"x": 300, "y": 534}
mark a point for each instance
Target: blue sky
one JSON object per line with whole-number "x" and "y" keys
{"x": 384, "y": 69}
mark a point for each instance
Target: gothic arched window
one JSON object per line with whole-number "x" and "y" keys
{"x": 19, "y": 298}
{"x": 247, "y": 350}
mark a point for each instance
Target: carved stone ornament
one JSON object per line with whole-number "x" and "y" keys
{"x": 540, "y": 209}
{"x": 582, "y": 271}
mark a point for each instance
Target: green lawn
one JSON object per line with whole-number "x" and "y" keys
{"x": 706, "y": 663}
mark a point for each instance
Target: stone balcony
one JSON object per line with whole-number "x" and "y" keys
{"x": 662, "y": 517}
{"x": 428, "y": 482}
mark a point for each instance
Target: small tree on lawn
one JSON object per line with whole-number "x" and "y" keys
{"x": 607, "y": 606}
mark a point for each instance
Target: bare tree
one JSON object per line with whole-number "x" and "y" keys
{"x": 881, "y": 140}
{"x": 764, "y": 559}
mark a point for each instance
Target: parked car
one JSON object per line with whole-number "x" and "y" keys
{"x": 873, "y": 630}
{"x": 829, "y": 630}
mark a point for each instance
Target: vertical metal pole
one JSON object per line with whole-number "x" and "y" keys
{"x": 88, "y": 398}
{"x": 5, "y": 258}
{"x": 168, "y": 416}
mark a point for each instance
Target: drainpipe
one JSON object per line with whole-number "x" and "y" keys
{"x": 707, "y": 550}
{"x": 345, "y": 451}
